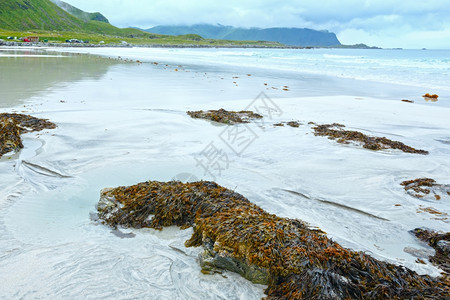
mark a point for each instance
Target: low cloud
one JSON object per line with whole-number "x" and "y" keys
{"x": 380, "y": 22}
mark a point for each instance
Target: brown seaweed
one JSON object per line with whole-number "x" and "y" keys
{"x": 294, "y": 260}
{"x": 13, "y": 125}
{"x": 294, "y": 124}
{"x": 10, "y": 140}
{"x": 225, "y": 116}
{"x": 433, "y": 96}
{"x": 430, "y": 97}
{"x": 423, "y": 187}
{"x": 335, "y": 132}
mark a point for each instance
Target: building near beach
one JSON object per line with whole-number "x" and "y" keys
{"x": 33, "y": 39}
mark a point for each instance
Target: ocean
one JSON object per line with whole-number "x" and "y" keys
{"x": 413, "y": 70}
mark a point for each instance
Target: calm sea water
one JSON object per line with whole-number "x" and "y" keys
{"x": 429, "y": 69}
{"x": 398, "y": 73}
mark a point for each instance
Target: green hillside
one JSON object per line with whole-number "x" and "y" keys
{"x": 22, "y": 15}
{"x": 85, "y": 16}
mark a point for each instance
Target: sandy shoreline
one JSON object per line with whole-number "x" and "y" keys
{"x": 193, "y": 46}
{"x": 122, "y": 123}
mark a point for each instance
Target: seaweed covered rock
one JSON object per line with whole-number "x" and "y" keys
{"x": 294, "y": 124}
{"x": 9, "y": 136}
{"x": 427, "y": 189}
{"x": 335, "y": 132}
{"x": 440, "y": 242}
{"x": 225, "y": 116}
{"x": 295, "y": 261}
{"x": 13, "y": 125}
{"x": 428, "y": 95}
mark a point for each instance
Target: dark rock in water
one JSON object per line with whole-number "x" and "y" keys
{"x": 225, "y": 116}
{"x": 295, "y": 261}
{"x": 211, "y": 261}
{"x": 440, "y": 242}
{"x": 335, "y": 132}
{"x": 13, "y": 125}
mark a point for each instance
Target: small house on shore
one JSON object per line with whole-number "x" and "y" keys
{"x": 33, "y": 39}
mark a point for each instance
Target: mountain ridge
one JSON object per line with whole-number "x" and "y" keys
{"x": 285, "y": 35}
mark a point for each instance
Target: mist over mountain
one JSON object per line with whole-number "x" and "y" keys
{"x": 85, "y": 16}
{"x": 287, "y": 36}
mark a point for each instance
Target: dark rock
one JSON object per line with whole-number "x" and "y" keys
{"x": 440, "y": 242}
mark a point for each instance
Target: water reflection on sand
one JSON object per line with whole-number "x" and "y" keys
{"x": 27, "y": 72}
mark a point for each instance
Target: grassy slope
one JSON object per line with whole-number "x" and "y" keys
{"x": 37, "y": 14}
{"x": 22, "y": 15}
{"x": 150, "y": 39}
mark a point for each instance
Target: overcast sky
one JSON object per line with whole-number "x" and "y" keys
{"x": 384, "y": 23}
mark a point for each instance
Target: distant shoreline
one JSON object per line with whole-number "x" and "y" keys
{"x": 84, "y": 45}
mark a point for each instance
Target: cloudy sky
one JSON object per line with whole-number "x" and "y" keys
{"x": 384, "y": 23}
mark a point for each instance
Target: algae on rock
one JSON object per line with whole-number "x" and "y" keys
{"x": 10, "y": 140}
{"x": 225, "y": 116}
{"x": 335, "y": 132}
{"x": 13, "y": 125}
{"x": 427, "y": 188}
{"x": 295, "y": 261}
